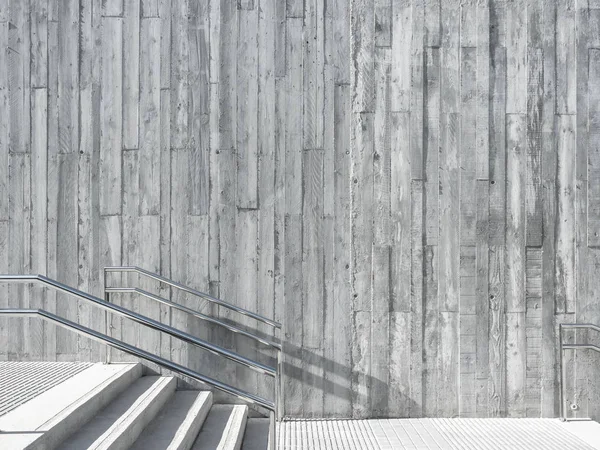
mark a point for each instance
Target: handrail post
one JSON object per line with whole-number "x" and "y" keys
{"x": 562, "y": 374}
{"x": 272, "y": 431}
{"x": 276, "y": 416}
{"x": 279, "y": 386}
{"x": 107, "y": 327}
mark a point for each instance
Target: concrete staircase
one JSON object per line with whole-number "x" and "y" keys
{"x": 115, "y": 407}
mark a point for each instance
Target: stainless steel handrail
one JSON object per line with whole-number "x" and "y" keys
{"x": 111, "y": 307}
{"x": 127, "y": 289}
{"x": 138, "y": 352}
{"x": 274, "y": 407}
{"x": 194, "y": 313}
{"x": 563, "y": 347}
{"x": 581, "y": 346}
{"x": 589, "y": 326}
{"x": 189, "y": 290}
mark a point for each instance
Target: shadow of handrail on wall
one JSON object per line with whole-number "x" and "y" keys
{"x": 315, "y": 385}
{"x": 311, "y": 378}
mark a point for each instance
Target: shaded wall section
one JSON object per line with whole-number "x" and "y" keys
{"x": 411, "y": 187}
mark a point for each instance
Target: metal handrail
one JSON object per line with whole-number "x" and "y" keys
{"x": 138, "y": 352}
{"x": 111, "y": 307}
{"x": 189, "y": 290}
{"x": 589, "y": 326}
{"x": 194, "y": 313}
{"x": 127, "y": 289}
{"x": 563, "y": 347}
{"x": 274, "y": 407}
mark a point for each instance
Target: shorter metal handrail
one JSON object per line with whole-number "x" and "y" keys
{"x": 194, "y": 313}
{"x": 128, "y": 289}
{"x": 563, "y": 347}
{"x": 194, "y": 292}
{"x": 138, "y": 352}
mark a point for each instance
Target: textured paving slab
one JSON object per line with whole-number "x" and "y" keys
{"x": 426, "y": 434}
{"x": 22, "y": 381}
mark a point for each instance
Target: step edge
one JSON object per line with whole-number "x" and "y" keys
{"x": 233, "y": 433}
{"x": 151, "y": 401}
{"x": 125, "y": 371}
{"x": 188, "y": 431}
{"x": 66, "y": 422}
{"x": 188, "y": 428}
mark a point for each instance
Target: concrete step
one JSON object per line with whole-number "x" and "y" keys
{"x": 256, "y": 436}
{"x": 46, "y": 420}
{"x": 178, "y": 424}
{"x": 223, "y": 429}
{"x": 119, "y": 424}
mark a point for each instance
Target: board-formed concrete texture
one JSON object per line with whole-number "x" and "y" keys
{"x": 412, "y": 187}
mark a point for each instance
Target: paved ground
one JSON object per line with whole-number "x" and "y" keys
{"x": 21, "y": 381}
{"x": 450, "y": 434}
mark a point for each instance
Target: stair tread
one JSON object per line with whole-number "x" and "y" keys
{"x": 140, "y": 402}
{"x": 178, "y": 423}
{"x": 51, "y": 416}
{"x": 256, "y": 436}
{"x": 223, "y": 429}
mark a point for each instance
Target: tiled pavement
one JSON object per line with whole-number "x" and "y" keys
{"x": 426, "y": 434}
{"x": 21, "y": 381}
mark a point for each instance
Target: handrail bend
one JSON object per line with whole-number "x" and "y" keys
{"x": 138, "y": 352}
{"x": 563, "y": 347}
{"x": 189, "y": 290}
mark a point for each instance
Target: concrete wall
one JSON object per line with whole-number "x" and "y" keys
{"x": 411, "y": 187}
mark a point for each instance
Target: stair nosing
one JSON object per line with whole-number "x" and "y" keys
{"x": 89, "y": 396}
{"x": 188, "y": 429}
{"x": 187, "y": 423}
{"x": 131, "y": 422}
{"x": 132, "y": 414}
